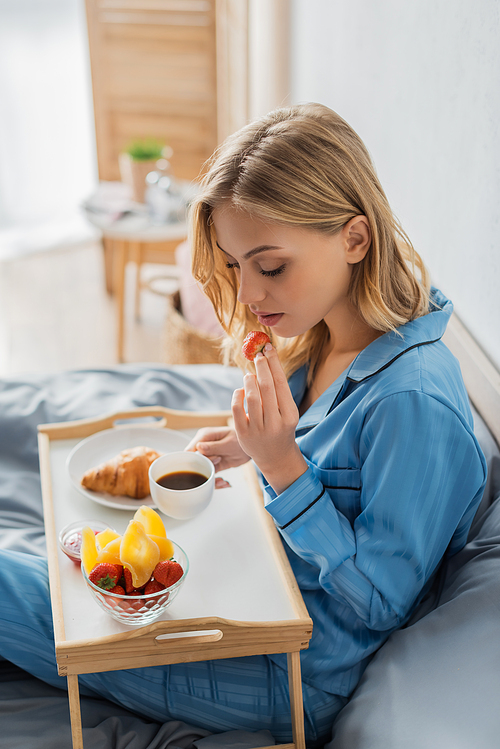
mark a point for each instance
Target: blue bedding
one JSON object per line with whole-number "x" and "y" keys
{"x": 434, "y": 683}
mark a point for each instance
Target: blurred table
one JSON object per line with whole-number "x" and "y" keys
{"x": 129, "y": 235}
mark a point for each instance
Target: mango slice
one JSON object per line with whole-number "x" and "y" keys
{"x": 166, "y": 547}
{"x": 138, "y": 553}
{"x": 88, "y": 551}
{"x": 111, "y": 552}
{"x": 152, "y": 522}
{"x": 104, "y": 537}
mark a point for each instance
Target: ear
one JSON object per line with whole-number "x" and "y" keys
{"x": 357, "y": 237}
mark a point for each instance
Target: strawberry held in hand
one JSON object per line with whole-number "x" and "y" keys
{"x": 253, "y": 343}
{"x": 105, "y": 575}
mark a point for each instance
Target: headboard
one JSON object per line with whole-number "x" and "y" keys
{"x": 481, "y": 377}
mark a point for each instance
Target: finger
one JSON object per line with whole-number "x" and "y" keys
{"x": 192, "y": 446}
{"x": 238, "y": 410}
{"x": 214, "y": 457}
{"x": 286, "y": 404}
{"x": 267, "y": 387}
{"x": 273, "y": 360}
{"x": 211, "y": 450}
{"x": 254, "y": 400}
{"x": 207, "y": 434}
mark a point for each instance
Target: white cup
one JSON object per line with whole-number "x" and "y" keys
{"x": 181, "y": 504}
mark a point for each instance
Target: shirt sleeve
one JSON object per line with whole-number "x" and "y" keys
{"x": 422, "y": 476}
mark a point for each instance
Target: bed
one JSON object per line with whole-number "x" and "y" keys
{"x": 434, "y": 683}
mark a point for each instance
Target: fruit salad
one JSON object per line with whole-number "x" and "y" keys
{"x": 139, "y": 562}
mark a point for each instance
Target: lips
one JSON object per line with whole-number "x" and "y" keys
{"x": 269, "y": 319}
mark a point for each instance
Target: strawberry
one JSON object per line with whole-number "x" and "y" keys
{"x": 129, "y": 585}
{"x": 168, "y": 572}
{"x": 153, "y": 586}
{"x": 105, "y": 575}
{"x": 253, "y": 343}
{"x": 118, "y": 590}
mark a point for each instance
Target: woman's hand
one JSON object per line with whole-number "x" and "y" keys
{"x": 266, "y": 431}
{"x": 220, "y": 445}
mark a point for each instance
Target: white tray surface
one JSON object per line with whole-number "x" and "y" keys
{"x": 233, "y": 574}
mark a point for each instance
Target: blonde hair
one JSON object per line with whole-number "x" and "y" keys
{"x": 305, "y": 166}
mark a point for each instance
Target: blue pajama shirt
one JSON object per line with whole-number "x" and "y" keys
{"x": 394, "y": 477}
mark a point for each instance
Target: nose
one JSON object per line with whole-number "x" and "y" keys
{"x": 251, "y": 289}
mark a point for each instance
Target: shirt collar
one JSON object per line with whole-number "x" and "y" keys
{"x": 375, "y": 357}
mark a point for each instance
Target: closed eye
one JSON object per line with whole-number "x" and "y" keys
{"x": 267, "y": 273}
{"x": 275, "y": 272}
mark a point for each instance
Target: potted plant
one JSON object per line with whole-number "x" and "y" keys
{"x": 140, "y": 157}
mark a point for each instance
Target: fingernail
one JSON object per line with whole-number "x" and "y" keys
{"x": 259, "y": 355}
{"x": 268, "y": 347}
{"x": 215, "y": 460}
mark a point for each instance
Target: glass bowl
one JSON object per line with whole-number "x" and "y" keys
{"x": 138, "y": 610}
{"x": 70, "y": 537}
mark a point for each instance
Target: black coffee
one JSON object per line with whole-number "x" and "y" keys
{"x": 181, "y": 480}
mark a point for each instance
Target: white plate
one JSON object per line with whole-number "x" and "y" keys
{"x": 102, "y": 446}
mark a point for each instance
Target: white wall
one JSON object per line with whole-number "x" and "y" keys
{"x": 419, "y": 80}
{"x": 269, "y": 55}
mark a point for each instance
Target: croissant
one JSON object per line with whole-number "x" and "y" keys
{"x": 126, "y": 474}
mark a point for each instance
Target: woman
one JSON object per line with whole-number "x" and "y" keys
{"x": 357, "y": 418}
{"x": 361, "y": 424}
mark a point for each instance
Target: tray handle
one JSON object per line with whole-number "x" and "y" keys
{"x": 190, "y": 637}
{"x": 170, "y": 417}
{"x": 201, "y": 635}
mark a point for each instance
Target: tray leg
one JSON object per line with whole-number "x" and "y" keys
{"x": 74, "y": 711}
{"x": 120, "y": 256}
{"x": 296, "y": 703}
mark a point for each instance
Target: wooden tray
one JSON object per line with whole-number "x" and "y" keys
{"x": 252, "y": 606}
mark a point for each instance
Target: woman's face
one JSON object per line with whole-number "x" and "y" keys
{"x": 290, "y": 278}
